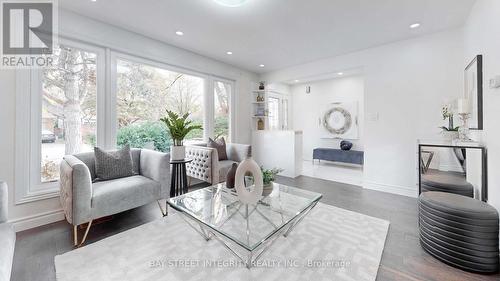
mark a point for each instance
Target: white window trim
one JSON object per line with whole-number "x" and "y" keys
{"x": 281, "y": 112}
{"x": 208, "y": 100}
{"x": 28, "y": 123}
{"x": 231, "y": 102}
{"x": 28, "y": 126}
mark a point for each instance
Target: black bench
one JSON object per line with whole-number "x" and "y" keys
{"x": 339, "y": 155}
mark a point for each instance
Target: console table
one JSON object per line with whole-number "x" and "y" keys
{"x": 339, "y": 155}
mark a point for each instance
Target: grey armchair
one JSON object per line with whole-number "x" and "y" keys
{"x": 7, "y": 236}
{"x": 84, "y": 200}
{"x": 206, "y": 165}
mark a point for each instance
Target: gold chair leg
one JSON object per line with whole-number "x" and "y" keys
{"x": 163, "y": 212}
{"x": 75, "y": 235}
{"x": 84, "y": 235}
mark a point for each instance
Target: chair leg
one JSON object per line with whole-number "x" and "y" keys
{"x": 75, "y": 235}
{"x": 86, "y": 232}
{"x": 163, "y": 212}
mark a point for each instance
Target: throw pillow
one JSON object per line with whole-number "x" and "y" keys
{"x": 113, "y": 164}
{"x": 220, "y": 145}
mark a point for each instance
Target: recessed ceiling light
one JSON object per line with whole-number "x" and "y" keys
{"x": 261, "y": 65}
{"x": 93, "y": 0}
{"x": 340, "y": 73}
{"x": 180, "y": 33}
{"x": 296, "y": 80}
{"x": 230, "y": 3}
{"x": 415, "y": 25}
{"x": 229, "y": 52}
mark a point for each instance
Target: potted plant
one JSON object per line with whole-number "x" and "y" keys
{"x": 268, "y": 177}
{"x": 450, "y": 132}
{"x": 179, "y": 127}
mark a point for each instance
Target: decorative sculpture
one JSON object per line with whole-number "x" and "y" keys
{"x": 244, "y": 195}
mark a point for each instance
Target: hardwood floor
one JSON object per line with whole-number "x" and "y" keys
{"x": 403, "y": 258}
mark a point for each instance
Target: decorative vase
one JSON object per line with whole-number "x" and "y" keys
{"x": 267, "y": 189}
{"x": 244, "y": 195}
{"x": 177, "y": 152}
{"x": 231, "y": 176}
{"x": 260, "y": 125}
{"x": 450, "y": 135}
{"x": 345, "y": 145}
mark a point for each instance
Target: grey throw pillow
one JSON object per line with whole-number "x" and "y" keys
{"x": 113, "y": 164}
{"x": 220, "y": 145}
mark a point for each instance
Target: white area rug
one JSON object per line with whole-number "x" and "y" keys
{"x": 329, "y": 244}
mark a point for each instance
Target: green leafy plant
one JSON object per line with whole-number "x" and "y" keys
{"x": 179, "y": 126}
{"x": 447, "y": 113}
{"x": 268, "y": 176}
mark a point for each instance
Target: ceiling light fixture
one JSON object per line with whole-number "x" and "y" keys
{"x": 230, "y": 3}
{"x": 229, "y": 52}
{"x": 261, "y": 65}
{"x": 296, "y": 80}
{"x": 415, "y": 25}
{"x": 180, "y": 33}
{"x": 340, "y": 73}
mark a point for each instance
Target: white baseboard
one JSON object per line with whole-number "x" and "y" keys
{"x": 40, "y": 219}
{"x": 389, "y": 188}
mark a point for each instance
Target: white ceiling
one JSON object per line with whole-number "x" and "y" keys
{"x": 277, "y": 33}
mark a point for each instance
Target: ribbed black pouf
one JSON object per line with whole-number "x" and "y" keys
{"x": 460, "y": 231}
{"x": 447, "y": 183}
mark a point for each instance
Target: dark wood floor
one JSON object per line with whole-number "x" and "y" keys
{"x": 403, "y": 258}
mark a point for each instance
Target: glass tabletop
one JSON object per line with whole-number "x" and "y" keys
{"x": 219, "y": 209}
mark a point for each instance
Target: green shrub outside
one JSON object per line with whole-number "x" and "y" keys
{"x": 139, "y": 135}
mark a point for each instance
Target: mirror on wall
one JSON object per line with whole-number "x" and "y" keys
{"x": 454, "y": 169}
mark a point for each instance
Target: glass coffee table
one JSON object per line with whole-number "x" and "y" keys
{"x": 247, "y": 231}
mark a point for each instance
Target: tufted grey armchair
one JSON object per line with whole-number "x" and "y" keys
{"x": 206, "y": 165}
{"x": 84, "y": 199}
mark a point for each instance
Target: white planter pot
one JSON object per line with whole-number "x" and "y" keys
{"x": 450, "y": 135}
{"x": 177, "y": 152}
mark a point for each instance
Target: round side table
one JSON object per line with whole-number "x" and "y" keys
{"x": 178, "y": 182}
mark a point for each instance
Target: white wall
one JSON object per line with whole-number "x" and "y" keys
{"x": 405, "y": 84}
{"x": 481, "y": 37}
{"x": 77, "y": 27}
{"x": 305, "y": 109}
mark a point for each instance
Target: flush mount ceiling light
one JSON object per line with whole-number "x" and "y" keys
{"x": 340, "y": 73}
{"x": 229, "y": 52}
{"x": 180, "y": 33}
{"x": 296, "y": 80}
{"x": 261, "y": 65}
{"x": 231, "y": 3}
{"x": 415, "y": 25}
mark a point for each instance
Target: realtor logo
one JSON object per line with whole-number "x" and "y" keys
{"x": 27, "y": 33}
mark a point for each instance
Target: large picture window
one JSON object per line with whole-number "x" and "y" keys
{"x": 144, "y": 93}
{"x": 222, "y": 99}
{"x": 69, "y": 108}
{"x": 80, "y": 102}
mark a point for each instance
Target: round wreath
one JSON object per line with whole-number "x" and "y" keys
{"x": 347, "y": 122}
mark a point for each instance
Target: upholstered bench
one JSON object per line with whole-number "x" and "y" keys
{"x": 447, "y": 183}
{"x": 460, "y": 231}
{"x": 339, "y": 155}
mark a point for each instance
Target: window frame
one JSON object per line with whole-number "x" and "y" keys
{"x": 28, "y": 114}
{"x": 208, "y": 99}
{"x": 29, "y": 186}
{"x": 231, "y": 100}
{"x": 282, "y": 113}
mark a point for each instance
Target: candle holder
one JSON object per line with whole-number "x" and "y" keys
{"x": 463, "y": 131}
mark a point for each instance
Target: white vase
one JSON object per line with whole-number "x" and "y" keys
{"x": 450, "y": 135}
{"x": 177, "y": 152}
